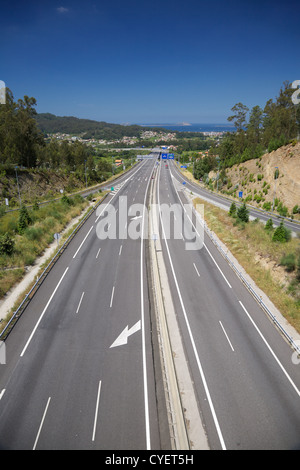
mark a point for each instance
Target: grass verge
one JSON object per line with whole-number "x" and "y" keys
{"x": 261, "y": 258}
{"x": 37, "y": 236}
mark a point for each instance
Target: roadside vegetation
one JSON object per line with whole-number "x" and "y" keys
{"x": 271, "y": 256}
{"x": 25, "y": 234}
{"x": 258, "y": 131}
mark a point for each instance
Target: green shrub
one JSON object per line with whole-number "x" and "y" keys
{"x": 33, "y": 233}
{"x": 296, "y": 209}
{"x": 65, "y": 200}
{"x": 289, "y": 261}
{"x": 24, "y": 219}
{"x": 269, "y": 225}
{"x": 7, "y": 244}
{"x": 281, "y": 234}
{"x": 282, "y": 210}
{"x": 243, "y": 213}
{"x": 267, "y": 206}
{"x": 232, "y": 209}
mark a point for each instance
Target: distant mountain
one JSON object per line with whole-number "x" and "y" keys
{"x": 86, "y": 128}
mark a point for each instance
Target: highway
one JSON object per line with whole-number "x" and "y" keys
{"x": 80, "y": 371}
{"x": 83, "y": 369}
{"x": 224, "y": 202}
{"x": 246, "y": 384}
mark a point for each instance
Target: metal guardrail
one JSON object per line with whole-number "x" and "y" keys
{"x": 82, "y": 192}
{"x": 228, "y": 199}
{"x": 28, "y": 297}
{"x": 251, "y": 290}
{"x": 247, "y": 285}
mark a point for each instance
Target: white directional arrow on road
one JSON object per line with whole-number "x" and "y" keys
{"x": 123, "y": 337}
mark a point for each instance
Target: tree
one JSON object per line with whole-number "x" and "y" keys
{"x": 24, "y": 219}
{"x": 281, "y": 234}
{"x": 239, "y": 117}
{"x": 269, "y": 225}
{"x": 232, "y": 209}
{"x": 254, "y": 126}
{"x": 243, "y": 213}
{"x": 19, "y": 134}
{"x": 7, "y": 244}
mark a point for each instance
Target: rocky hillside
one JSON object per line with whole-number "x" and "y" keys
{"x": 35, "y": 185}
{"x": 256, "y": 179}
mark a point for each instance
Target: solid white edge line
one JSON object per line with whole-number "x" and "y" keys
{"x": 146, "y": 400}
{"x": 41, "y": 425}
{"x": 2, "y": 393}
{"x": 96, "y": 411}
{"x": 43, "y": 313}
{"x": 212, "y": 409}
{"x": 203, "y": 240}
{"x": 83, "y": 241}
{"x": 270, "y": 349}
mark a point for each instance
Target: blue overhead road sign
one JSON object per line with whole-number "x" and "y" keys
{"x": 171, "y": 156}
{"x": 164, "y": 156}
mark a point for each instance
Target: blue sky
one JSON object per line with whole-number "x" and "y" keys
{"x": 148, "y": 62}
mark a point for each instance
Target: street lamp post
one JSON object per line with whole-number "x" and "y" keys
{"x": 18, "y": 185}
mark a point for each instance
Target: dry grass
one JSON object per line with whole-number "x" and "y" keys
{"x": 260, "y": 257}
{"x": 36, "y": 238}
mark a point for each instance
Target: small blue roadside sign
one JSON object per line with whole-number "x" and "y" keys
{"x": 240, "y": 194}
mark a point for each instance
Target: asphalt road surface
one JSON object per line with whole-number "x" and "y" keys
{"x": 218, "y": 199}
{"x": 79, "y": 372}
{"x": 246, "y": 383}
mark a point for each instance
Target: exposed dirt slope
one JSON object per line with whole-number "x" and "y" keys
{"x": 36, "y": 185}
{"x": 256, "y": 177}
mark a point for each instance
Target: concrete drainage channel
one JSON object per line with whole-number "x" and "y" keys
{"x": 185, "y": 424}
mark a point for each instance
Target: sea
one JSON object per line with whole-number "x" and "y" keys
{"x": 187, "y": 127}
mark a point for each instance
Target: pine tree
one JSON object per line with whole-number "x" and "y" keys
{"x": 269, "y": 224}
{"x": 243, "y": 213}
{"x": 281, "y": 234}
{"x": 232, "y": 210}
{"x": 7, "y": 244}
{"x": 24, "y": 219}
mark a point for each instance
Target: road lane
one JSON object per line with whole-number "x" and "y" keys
{"x": 53, "y": 398}
{"x": 253, "y": 404}
{"x": 218, "y": 199}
